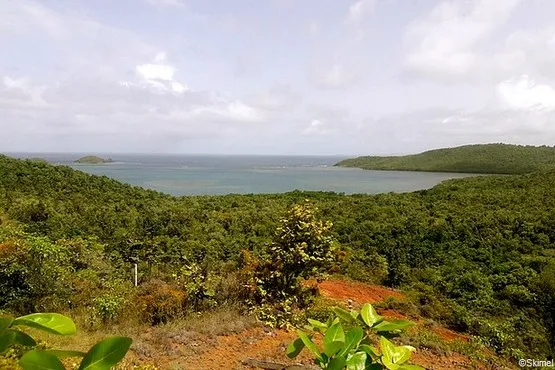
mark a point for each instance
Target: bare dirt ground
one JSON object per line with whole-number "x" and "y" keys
{"x": 206, "y": 352}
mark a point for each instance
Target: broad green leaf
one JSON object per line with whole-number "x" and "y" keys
{"x": 393, "y": 326}
{"x": 310, "y": 328}
{"x": 357, "y": 361}
{"x": 369, "y": 350}
{"x": 310, "y": 344}
{"x": 53, "y": 323}
{"x": 294, "y": 348}
{"x": 388, "y": 353}
{"x": 60, "y": 353}
{"x": 402, "y": 354}
{"x": 352, "y": 339}
{"x": 334, "y": 339}
{"x": 40, "y": 360}
{"x": 5, "y": 341}
{"x": 106, "y": 353}
{"x": 11, "y": 337}
{"x": 410, "y": 367}
{"x": 5, "y": 323}
{"x": 369, "y": 315}
{"x": 337, "y": 363}
{"x": 317, "y": 325}
{"x": 22, "y": 338}
{"x": 343, "y": 314}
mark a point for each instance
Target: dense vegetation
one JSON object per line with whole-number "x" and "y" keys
{"x": 485, "y": 158}
{"x": 478, "y": 254}
{"x": 92, "y": 159}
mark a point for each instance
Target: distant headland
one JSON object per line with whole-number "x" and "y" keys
{"x": 478, "y": 158}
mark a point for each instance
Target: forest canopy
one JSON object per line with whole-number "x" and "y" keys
{"x": 477, "y": 254}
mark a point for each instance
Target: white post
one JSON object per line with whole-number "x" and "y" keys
{"x": 135, "y": 274}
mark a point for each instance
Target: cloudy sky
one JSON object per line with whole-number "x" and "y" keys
{"x": 275, "y": 76}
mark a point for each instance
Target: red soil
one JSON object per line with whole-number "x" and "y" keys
{"x": 232, "y": 350}
{"x": 359, "y": 293}
{"x": 449, "y": 335}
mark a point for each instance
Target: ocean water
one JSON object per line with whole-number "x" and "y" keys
{"x": 216, "y": 175}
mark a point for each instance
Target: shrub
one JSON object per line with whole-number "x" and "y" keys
{"x": 303, "y": 246}
{"x": 199, "y": 284}
{"x": 159, "y": 302}
{"x": 34, "y": 272}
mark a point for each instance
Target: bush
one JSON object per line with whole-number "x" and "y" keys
{"x": 34, "y": 272}
{"x": 199, "y": 284}
{"x": 159, "y": 302}
{"x": 302, "y": 248}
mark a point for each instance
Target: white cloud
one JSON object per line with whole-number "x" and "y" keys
{"x": 159, "y": 76}
{"x": 417, "y": 131}
{"x": 96, "y": 108}
{"x": 234, "y": 112}
{"x": 358, "y": 10}
{"x": 336, "y": 76}
{"x": 445, "y": 44}
{"x": 524, "y": 93}
{"x": 156, "y": 72}
{"x": 276, "y": 99}
{"x": 316, "y": 127}
{"x": 357, "y": 14}
{"x": 166, "y": 3}
{"x": 529, "y": 50}
{"x": 313, "y": 27}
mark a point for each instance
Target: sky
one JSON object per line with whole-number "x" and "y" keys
{"x": 300, "y": 77}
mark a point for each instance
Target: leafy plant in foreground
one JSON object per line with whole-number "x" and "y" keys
{"x": 102, "y": 356}
{"x": 353, "y": 349}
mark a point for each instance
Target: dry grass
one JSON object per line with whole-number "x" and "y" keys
{"x": 152, "y": 345}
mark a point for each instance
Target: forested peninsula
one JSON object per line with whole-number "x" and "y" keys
{"x": 478, "y": 158}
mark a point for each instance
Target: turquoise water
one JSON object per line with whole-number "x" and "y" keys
{"x": 202, "y": 174}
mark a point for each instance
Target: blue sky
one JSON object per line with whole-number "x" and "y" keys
{"x": 275, "y": 76}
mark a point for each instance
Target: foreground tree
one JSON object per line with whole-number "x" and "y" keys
{"x": 303, "y": 247}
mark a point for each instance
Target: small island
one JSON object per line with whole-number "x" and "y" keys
{"x": 91, "y": 159}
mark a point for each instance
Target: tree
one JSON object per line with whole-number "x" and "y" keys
{"x": 303, "y": 246}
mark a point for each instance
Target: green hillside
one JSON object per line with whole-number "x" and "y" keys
{"x": 480, "y": 158}
{"x": 475, "y": 254}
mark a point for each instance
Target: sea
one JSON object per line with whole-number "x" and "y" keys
{"x": 245, "y": 174}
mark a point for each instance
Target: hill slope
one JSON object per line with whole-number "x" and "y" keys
{"x": 478, "y": 254}
{"x": 480, "y": 158}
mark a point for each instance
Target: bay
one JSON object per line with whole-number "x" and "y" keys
{"x": 241, "y": 174}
